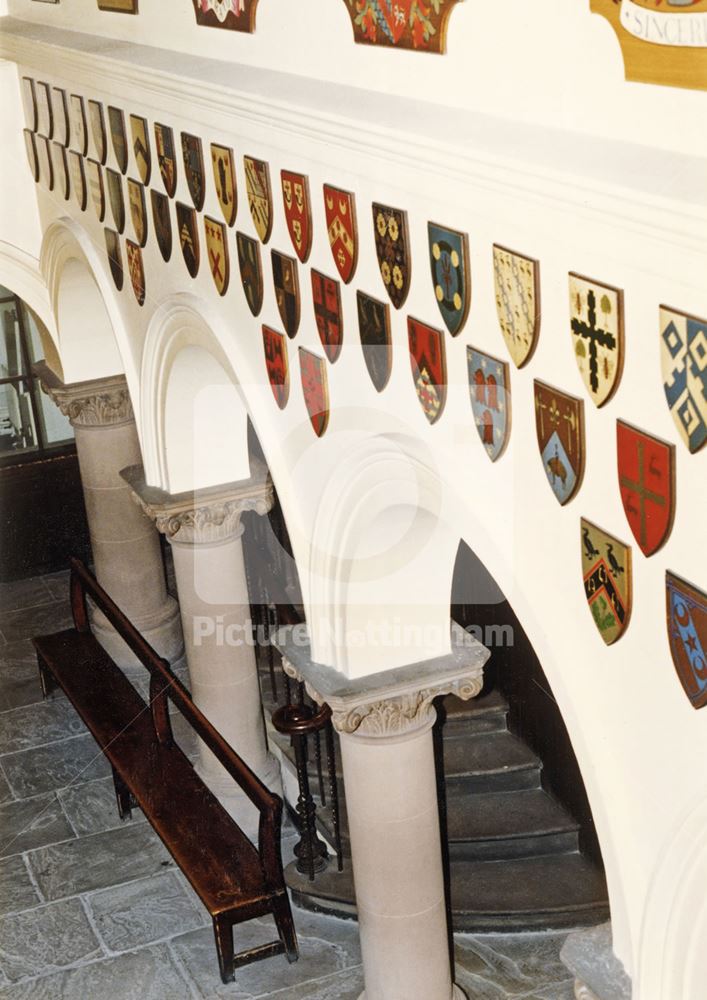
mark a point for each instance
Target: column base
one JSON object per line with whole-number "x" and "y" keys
{"x": 234, "y": 801}
{"x": 457, "y": 994}
{"x": 163, "y": 631}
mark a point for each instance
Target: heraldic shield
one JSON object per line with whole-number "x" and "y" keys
{"x": 98, "y": 130}
{"x": 116, "y": 123}
{"x": 115, "y": 258}
{"x": 166, "y": 160}
{"x": 251, "y": 271}
{"x": 217, "y": 249}
{"x": 188, "y": 237}
{"x": 298, "y": 212}
{"x": 393, "y": 250}
{"x": 489, "y": 388}
{"x": 141, "y": 147}
{"x": 194, "y": 168}
{"x": 559, "y": 422}
{"x": 517, "y": 285}
{"x": 340, "y": 212}
{"x": 138, "y": 210}
{"x": 606, "y": 569}
{"x": 225, "y": 181}
{"x": 429, "y": 369}
{"x": 137, "y": 272}
{"x": 647, "y": 484}
{"x": 686, "y": 608}
{"x": 286, "y": 281}
{"x": 257, "y": 185}
{"x": 277, "y": 365}
{"x": 326, "y": 294}
{"x": 162, "y": 222}
{"x": 449, "y": 260}
{"x": 315, "y": 387}
{"x": 114, "y": 180}
{"x": 596, "y": 321}
{"x": 374, "y": 330}
{"x": 683, "y": 354}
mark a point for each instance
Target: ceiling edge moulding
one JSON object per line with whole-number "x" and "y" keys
{"x": 403, "y": 24}
{"x": 234, "y": 15}
{"x": 662, "y": 41}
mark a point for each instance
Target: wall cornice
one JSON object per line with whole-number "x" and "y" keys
{"x": 620, "y": 184}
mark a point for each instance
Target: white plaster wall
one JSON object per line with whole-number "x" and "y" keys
{"x": 622, "y": 213}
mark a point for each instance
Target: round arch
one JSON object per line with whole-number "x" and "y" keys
{"x": 20, "y": 272}
{"x": 90, "y": 332}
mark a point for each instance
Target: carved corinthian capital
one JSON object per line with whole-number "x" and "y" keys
{"x": 206, "y": 517}
{"x": 393, "y": 703}
{"x": 101, "y": 402}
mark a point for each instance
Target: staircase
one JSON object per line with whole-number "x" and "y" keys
{"x": 514, "y": 856}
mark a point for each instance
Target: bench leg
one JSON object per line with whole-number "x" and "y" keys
{"x": 123, "y": 797}
{"x": 46, "y": 679}
{"x": 285, "y": 926}
{"x": 223, "y": 932}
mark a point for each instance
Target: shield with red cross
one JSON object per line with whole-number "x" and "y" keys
{"x": 647, "y": 484}
{"x": 217, "y": 250}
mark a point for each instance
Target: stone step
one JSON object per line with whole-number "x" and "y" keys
{"x": 490, "y": 762}
{"x": 498, "y": 825}
{"x": 487, "y": 896}
{"x": 485, "y": 714}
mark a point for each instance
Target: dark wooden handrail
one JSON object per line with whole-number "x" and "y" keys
{"x": 164, "y": 684}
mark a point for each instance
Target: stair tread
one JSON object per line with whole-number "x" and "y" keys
{"x": 504, "y": 815}
{"x": 559, "y": 883}
{"x": 486, "y": 704}
{"x": 487, "y": 753}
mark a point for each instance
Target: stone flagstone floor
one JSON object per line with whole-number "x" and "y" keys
{"x": 94, "y": 909}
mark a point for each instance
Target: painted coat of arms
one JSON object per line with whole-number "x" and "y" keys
{"x": 188, "y": 237}
{"x": 217, "y": 249}
{"x": 315, "y": 387}
{"x": 429, "y": 368}
{"x": 517, "y": 282}
{"x": 138, "y": 210}
{"x": 340, "y": 212}
{"x": 257, "y": 183}
{"x": 115, "y": 258}
{"x": 451, "y": 280}
{"x": 166, "y": 160}
{"x": 98, "y": 130}
{"x": 95, "y": 186}
{"x": 31, "y": 150}
{"x": 326, "y": 294}
{"x": 194, "y": 168}
{"x": 46, "y": 165}
{"x": 78, "y": 124}
{"x": 683, "y": 357}
{"x": 78, "y": 179}
{"x": 489, "y": 388}
{"x": 45, "y": 111}
{"x": 374, "y": 330}
{"x": 606, "y": 570}
{"x": 63, "y": 182}
{"x": 162, "y": 222}
{"x": 116, "y": 122}
{"x": 559, "y": 422}
{"x": 687, "y": 634}
{"x": 596, "y": 312}
{"x": 141, "y": 147}
{"x": 251, "y": 271}
{"x": 298, "y": 212}
{"x": 137, "y": 272}
{"x": 286, "y": 281}
{"x": 62, "y": 126}
{"x": 225, "y": 181}
{"x": 647, "y": 484}
{"x": 393, "y": 250}
{"x": 234, "y": 15}
{"x": 29, "y": 103}
{"x": 277, "y": 365}
{"x": 405, "y": 24}
{"x": 114, "y": 181}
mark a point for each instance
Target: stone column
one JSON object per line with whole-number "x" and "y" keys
{"x": 126, "y": 548}
{"x": 204, "y": 530}
{"x": 385, "y": 724}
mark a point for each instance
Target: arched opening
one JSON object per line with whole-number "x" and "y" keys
{"x": 86, "y": 339}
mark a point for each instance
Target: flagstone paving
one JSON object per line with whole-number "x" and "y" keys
{"x": 92, "y": 908}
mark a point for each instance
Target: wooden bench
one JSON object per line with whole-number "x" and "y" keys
{"x": 234, "y": 880}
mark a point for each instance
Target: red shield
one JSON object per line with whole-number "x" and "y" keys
{"x": 327, "y": 310}
{"x": 647, "y": 484}
{"x": 298, "y": 213}
{"x": 340, "y": 211}
{"x": 315, "y": 388}
{"x": 429, "y": 369}
{"x": 277, "y": 365}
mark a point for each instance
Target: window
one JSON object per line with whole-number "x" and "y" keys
{"x": 30, "y": 423}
